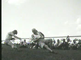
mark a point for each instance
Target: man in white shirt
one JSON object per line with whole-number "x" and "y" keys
{"x": 39, "y": 39}
{"x": 10, "y": 36}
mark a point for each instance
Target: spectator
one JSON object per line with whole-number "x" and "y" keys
{"x": 58, "y": 44}
{"x": 68, "y": 38}
{"x": 64, "y": 45}
{"x": 74, "y": 45}
{"x": 23, "y": 44}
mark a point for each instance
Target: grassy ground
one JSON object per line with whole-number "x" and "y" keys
{"x": 38, "y": 54}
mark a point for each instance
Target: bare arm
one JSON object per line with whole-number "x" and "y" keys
{"x": 14, "y": 35}
{"x": 42, "y": 35}
{"x": 33, "y": 38}
{"x": 17, "y": 37}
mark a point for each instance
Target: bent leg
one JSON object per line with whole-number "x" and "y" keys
{"x": 42, "y": 44}
{"x": 12, "y": 44}
{"x": 49, "y": 49}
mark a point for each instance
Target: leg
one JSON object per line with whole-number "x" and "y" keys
{"x": 42, "y": 44}
{"x": 48, "y": 48}
{"x": 6, "y": 42}
{"x": 32, "y": 45}
{"x": 12, "y": 44}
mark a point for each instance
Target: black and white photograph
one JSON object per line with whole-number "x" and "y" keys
{"x": 41, "y": 29}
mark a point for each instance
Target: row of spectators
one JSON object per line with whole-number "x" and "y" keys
{"x": 66, "y": 44}
{"x": 57, "y": 44}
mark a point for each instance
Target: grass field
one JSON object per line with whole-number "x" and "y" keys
{"x": 38, "y": 54}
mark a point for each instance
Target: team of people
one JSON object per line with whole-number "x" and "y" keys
{"x": 37, "y": 38}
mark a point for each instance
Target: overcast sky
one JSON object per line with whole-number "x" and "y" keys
{"x": 52, "y": 17}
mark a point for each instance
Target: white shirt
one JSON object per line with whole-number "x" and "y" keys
{"x": 9, "y": 36}
{"x": 39, "y": 35}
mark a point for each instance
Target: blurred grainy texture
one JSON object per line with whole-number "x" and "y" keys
{"x": 38, "y": 54}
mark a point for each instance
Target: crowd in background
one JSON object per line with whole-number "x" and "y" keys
{"x": 56, "y": 44}
{"x": 67, "y": 44}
